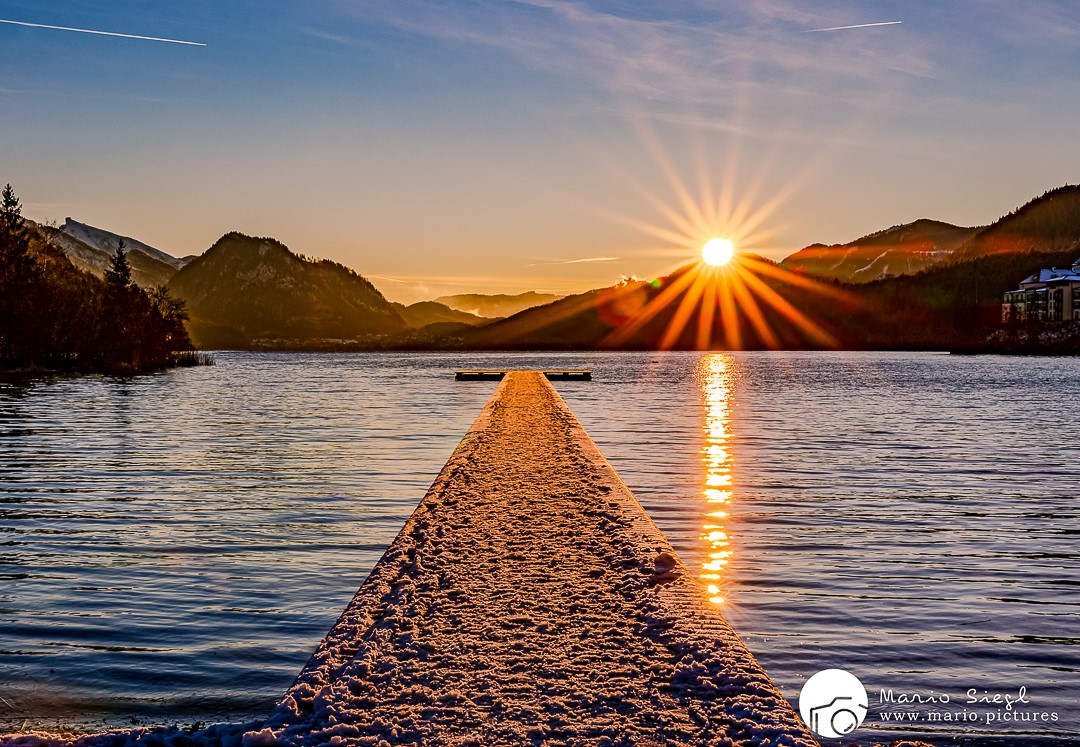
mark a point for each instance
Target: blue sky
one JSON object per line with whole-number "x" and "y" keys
{"x": 452, "y": 146}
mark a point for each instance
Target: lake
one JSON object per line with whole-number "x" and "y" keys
{"x": 175, "y": 545}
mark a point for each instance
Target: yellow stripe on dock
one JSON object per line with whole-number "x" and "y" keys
{"x": 530, "y": 600}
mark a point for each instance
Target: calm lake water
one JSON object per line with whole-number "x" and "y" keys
{"x": 175, "y": 545}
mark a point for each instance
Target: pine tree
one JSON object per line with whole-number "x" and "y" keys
{"x": 11, "y": 220}
{"x": 119, "y": 272}
{"x": 122, "y": 322}
{"x": 17, "y": 280}
{"x": 15, "y": 261}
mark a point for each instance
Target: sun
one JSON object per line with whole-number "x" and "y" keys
{"x": 717, "y": 252}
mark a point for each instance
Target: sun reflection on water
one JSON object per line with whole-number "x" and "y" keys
{"x": 716, "y": 391}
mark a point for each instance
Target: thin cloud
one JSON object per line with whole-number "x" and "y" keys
{"x": 855, "y": 26}
{"x": 583, "y": 260}
{"x": 664, "y": 59}
{"x": 101, "y": 33}
{"x": 326, "y": 36}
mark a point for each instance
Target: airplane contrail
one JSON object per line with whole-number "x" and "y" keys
{"x": 101, "y": 33}
{"x": 856, "y": 26}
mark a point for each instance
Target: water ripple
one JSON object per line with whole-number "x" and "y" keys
{"x": 174, "y": 546}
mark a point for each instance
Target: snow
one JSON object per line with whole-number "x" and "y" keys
{"x": 106, "y": 241}
{"x": 873, "y": 262}
{"x": 531, "y": 597}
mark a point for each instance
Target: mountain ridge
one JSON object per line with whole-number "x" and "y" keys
{"x": 245, "y": 288}
{"x": 246, "y": 291}
{"x": 1046, "y": 224}
{"x": 91, "y": 249}
{"x": 899, "y": 250}
{"x": 951, "y": 306}
{"x": 107, "y": 240}
{"x": 423, "y": 313}
{"x": 495, "y": 305}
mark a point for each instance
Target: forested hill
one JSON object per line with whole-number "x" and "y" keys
{"x": 1049, "y": 223}
{"x": 950, "y": 306}
{"x": 245, "y": 289}
{"x": 54, "y": 316}
{"x": 900, "y": 250}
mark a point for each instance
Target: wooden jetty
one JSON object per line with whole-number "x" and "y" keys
{"x": 530, "y": 600}
{"x": 488, "y": 374}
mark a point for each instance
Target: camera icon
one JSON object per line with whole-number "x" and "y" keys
{"x": 838, "y": 715}
{"x": 833, "y": 703}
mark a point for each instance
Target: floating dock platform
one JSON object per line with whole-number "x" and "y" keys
{"x": 530, "y": 600}
{"x": 487, "y": 374}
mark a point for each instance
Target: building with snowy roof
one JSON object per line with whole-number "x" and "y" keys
{"x": 1052, "y": 294}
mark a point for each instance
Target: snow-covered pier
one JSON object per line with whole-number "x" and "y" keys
{"x": 530, "y": 600}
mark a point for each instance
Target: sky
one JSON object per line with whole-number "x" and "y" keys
{"x": 504, "y": 146}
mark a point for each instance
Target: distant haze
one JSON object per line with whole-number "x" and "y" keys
{"x": 492, "y": 306}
